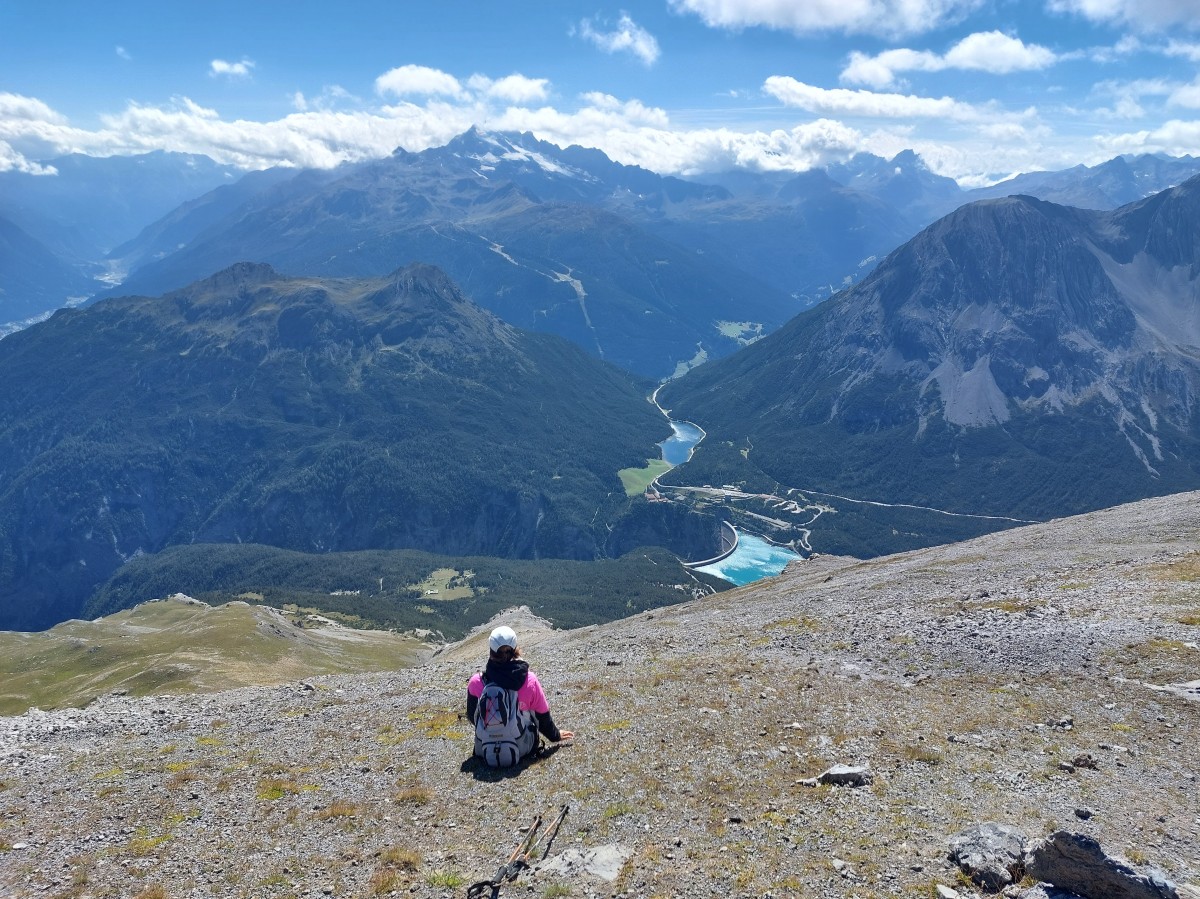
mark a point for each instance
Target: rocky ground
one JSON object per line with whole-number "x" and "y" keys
{"x": 1041, "y": 678}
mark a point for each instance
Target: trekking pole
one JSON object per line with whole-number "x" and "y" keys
{"x": 510, "y": 869}
{"x": 549, "y": 835}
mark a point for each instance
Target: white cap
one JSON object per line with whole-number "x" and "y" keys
{"x": 502, "y": 636}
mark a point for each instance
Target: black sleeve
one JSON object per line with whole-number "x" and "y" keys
{"x": 472, "y": 702}
{"x": 547, "y": 727}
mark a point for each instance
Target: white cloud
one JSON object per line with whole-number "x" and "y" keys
{"x": 11, "y": 160}
{"x": 840, "y": 101}
{"x": 1174, "y": 137}
{"x": 1189, "y": 51}
{"x": 886, "y": 17}
{"x": 1127, "y": 96}
{"x": 15, "y": 106}
{"x": 123, "y": 53}
{"x": 220, "y": 68}
{"x": 331, "y": 96}
{"x": 1142, "y": 15}
{"x": 419, "y": 81}
{"x": 988, "y": 51}
{"x": 511, "y": 88}
{"x": 1187, "y": 96}
{"x": 628, "y": 37}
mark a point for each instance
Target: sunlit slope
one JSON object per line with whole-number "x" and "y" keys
{"x": 183, "y": 646}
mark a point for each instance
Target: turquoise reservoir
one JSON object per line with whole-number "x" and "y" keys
{"x": 753, "y": 560}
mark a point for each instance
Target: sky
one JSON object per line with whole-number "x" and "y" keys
{"x": 981, "y": 89}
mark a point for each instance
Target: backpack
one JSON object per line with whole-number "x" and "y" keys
{"x": 503, "y": 733}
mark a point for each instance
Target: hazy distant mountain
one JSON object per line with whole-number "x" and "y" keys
{"x": 92, "y": 203}
{"x": 522, "y": 226}
{"x": 191, "y": 220}
{"x": 302, "y": 413}
{"x": 1117, "y": 182}
{"x": 904, "y": 182}
{"x": 33, "y": 279}
{"x": 1015, "y": 358}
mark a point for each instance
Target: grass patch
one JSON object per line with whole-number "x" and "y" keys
{"x": 400, "y": 858}
{"x": 448, "y": 879}
{"x": 143, "y": 844}
{"x": 276, "y": 788}
{"x": 556, "y": 891}
{"x": 384, "y": 882}
{"x": 1185, "y": 570}
{"x": 636, "y": 480}
{"x": 339, "y": 808}
{"x": 155, "y": 891}
{"x": 617, "y": 810}
{"x": 1193, "y": 620}
{"x": 437, "y": 723}
{"x": 620, "y": 724}
{"x": 413, "y": 794}
{"x": 926, "y": 755}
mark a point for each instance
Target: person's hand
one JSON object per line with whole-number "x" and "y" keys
{"x": 564, "y": 735}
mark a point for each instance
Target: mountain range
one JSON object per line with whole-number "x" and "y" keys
{"x": 1016, "y": 358}
{"x": 309, "y": 414}
{"x": 653, "y": 273}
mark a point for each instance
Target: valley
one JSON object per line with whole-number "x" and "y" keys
{"x": 895, "y": 415}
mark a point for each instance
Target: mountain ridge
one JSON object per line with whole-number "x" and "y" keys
{"x": 1014, "y": 336}
{"x": 305, "y": 413}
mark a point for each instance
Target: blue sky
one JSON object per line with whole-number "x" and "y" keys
{"x": 981, "y": 88}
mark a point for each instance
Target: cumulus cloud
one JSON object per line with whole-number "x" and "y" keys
{"x": 420, "y": 81}
{"x": 1142, "y": 15}
{"x": 1175, "y": 138}
{"x": 511, "y": 88}
{"x": 1188, "y": 51}
{"x": 1126, "y": 97}
{"x": 989, "y": 51}
{"x": 1187, "y": 96}
{"x": 885, "y": 17}
{"x": 627, "y": 37}
{"x": 220, "y": 68}
{"x": 869, "y": 104}
{"x": 12, "y": 161}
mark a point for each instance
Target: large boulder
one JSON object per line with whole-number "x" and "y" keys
{"x": 1075, "y": 862}
{"x": 991, "y": 854}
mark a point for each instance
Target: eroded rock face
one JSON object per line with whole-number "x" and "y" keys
{"x": 1075, "y": 862}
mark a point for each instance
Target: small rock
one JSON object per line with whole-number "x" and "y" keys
{"x": 1083, "y": 814}
{"x": 846, "y": 776}
{"x": 945, "y": 892}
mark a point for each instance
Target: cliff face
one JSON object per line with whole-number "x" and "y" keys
{"x": 1038, "y": 678}
{"x": 309, "y": 414}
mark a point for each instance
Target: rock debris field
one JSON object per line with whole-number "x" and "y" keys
{"x": 1045, "y": 679}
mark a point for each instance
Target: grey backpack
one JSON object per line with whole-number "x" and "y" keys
{"x": 503, "y": 733}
